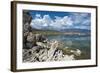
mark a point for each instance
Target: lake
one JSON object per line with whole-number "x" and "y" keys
{"x": 75, "y": 42}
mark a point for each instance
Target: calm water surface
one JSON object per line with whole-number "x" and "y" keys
{"x": 76, "y": 42}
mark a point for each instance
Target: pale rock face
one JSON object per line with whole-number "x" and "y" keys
{"x": 35, "y": 49}
{"x": 30, "y": 37}
{"x": 67, "y": 57}
{"x": 40, "y": 38}
{"x": 76, "y": 52}
{"x": 26, "y": 33}
{"x": 41, "y": 44}
{"x": 29, "y": 45}
{"x": 52, "y": 49}
{"x": 40, "y": 53}
{"x": 25, "y": 27}
{"x": 43, "y": 55}
{"x": 59, "y": 55}
{"x": 26, "y": 21}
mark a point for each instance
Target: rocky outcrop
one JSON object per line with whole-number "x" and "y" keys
{"x": 26, "y": 28}
{"x": 42, "y": 53}
{"x": 34, "y": 40}
{"x": 27, "y": 18}
{"x": 76, "y": 52}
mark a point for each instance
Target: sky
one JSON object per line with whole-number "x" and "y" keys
{"x": 53, "y": 20}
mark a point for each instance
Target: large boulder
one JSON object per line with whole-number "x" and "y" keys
{"x": 29, "y": 45}
{"x": 68, "y": 57}
{"x": 31, "y": 40}
{"x": 76, "y": 52}
{"x": 31, "y": 37}
{"x": 41, "y": 44}
{"x": 43, "y": 53}
{"x": 40, "y": 38}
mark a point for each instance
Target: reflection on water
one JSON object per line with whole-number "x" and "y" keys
{"x": 77, "y": 42}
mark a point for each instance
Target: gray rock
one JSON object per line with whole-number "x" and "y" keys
{"x": 76, "y": 52}
{"x": 27, "y": 18}
{"x": 29, "y": 45}
{"x": 30, "y": 37}
{"x": 26, "y": 28}
{"x": 36, "y": 49}
{"x": 40, "y": 53}
{"x": 25, "y": 34}
{"x": 52, "y": 50}
{"x": 41, "y": 44}
{"x": 40, "y": 38}
{"x": 43, "y": 55}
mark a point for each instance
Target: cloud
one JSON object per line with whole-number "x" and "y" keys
{"x": 46, "y": 21}
{"x": 81, "y": 18}
{"x": 74, "y": 20}
{"x": 38, "y": 22}
{"x": 38, "y": 16}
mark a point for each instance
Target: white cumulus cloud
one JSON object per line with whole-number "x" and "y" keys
{"x": 46, "y": 21}
{"x": 74, "y": 20}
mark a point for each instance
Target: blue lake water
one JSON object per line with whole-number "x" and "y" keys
{"x": 76, "y": 42}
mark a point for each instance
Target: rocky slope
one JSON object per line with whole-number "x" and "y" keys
{"x": 43, "y": 50}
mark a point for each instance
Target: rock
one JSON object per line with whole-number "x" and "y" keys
{"x": 26, "y": 27}
{"x": 35, "y": 49}
{"x": 27, "y": 18}
{"x": 68, "y": 57}
{"x": 41, "y": 44}
{"x": 29, "y": 45}
{"x": 31, "y": 54}
{"x": 44, "y": 39}
{"x": 31, "y": 37}
{"x": 25, "y": 41}
{"x": 76, "y": 52}
{"x": 58, "y": 55}
{"x": 31, "y": 40}
{"x": 51, "y": 51}
{"x": 25, "y": 34}
{"x": 26, "y": 55}
{"x": 43, "y": 53}
{"x": 40, "y": 38}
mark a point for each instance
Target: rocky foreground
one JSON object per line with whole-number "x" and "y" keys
{"x": 39, "y": 49}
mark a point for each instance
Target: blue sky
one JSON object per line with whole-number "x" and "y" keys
{"x": 60, "y": 20}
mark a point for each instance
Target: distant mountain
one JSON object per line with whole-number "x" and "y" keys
{"x": 63, "y": 30}
{"x": 79, "y": 32}
{"x": 66, "y": 30}
{"x": 76, "y": 30}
